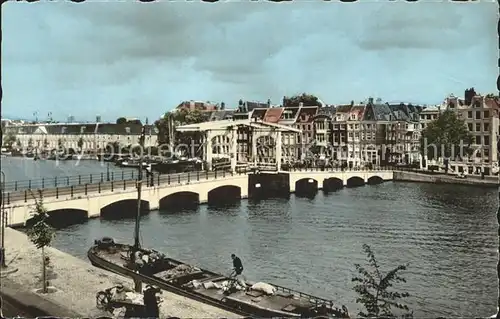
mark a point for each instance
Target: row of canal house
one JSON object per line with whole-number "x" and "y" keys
{"x": 353, "y": 134}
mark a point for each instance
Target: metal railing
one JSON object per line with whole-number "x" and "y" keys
{"x": 75, "y": 180}
{"x": 99, "y": 186}
{"x": 339, "y": 169}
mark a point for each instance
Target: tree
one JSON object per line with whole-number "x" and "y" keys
{"x": 9, "y": 139}
{"x": 60, "y": 143}
{"x": 41, "y": 234}
{"x": 166, "y": 125}
{"x": 45, "y": 143}
{"x": 30, "y": 142}
{"x": 373, "y": 289}
{"x": 19, "y": 144}
{"x": 305, "y": 99}
{"x": 446, "y": 137}
{"x": 121, "y": 120}
{"x": 80, "y": 143}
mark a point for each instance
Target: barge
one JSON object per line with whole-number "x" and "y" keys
{"x": 230, "y": 293}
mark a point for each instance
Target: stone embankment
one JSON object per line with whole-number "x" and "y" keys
{"x": 76, "y": 283}
{"x": 406, "y": 176}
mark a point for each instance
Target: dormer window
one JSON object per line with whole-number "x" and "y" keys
{"x": 127, "y": 130}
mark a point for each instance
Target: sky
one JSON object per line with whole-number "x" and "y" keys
{"x": 142, "y": 59}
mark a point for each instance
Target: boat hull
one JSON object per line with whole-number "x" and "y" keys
{"x": 223, "y": 302}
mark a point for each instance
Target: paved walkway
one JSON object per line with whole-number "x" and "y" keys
{"x": 77, "y": 283}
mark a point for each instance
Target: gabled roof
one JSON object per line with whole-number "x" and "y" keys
{"x": 258, "y": 113}
{"x": 273, "y": 115}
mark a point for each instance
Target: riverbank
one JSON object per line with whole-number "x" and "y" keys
{"x": 404, "y": 176}
{"x": 76, "y": 283}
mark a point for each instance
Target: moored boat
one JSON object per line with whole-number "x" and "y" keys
{"x": 236, "y": 295}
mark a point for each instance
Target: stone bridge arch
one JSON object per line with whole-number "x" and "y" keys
{"x": 224, "y": 194}
{"x": 332, "y": 184}
{"x": 62, "y": 217}
{"x": 179, "y": 200}
{"x": 124, "y": 208}
{"x": 374, "y": 180}
{"x": 306, "y": 187}
{"x": 355, "y": 181}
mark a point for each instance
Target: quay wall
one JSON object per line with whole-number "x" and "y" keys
{"x": 77, "y": 283}
{"x": 404, "y": 176}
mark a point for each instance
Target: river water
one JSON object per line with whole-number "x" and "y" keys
{"x": 446, "y": 233}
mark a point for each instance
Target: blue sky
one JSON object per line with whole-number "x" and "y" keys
{"x": 140, "y": 60}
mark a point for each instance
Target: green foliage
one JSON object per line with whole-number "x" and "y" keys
{"x": 40, "y": 233}
{"x": 30, "y": 142}
{"x": 373, "y": 288}
{"x": 19, "y": 144}
{"x": 60, "y": 142}
{"x": 121, "y": 120}
{"x": 447, "y": 136}
{"x": 9, "y": 139}
{"x": 45, "y": 143}
{"x": 306, "y": 99}
{"x": 178, "y": 118}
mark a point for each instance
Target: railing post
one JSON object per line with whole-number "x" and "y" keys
{"x": 216, "y": 174}
{"x": 133, "y": 174}
{"x": 102, "y": 177}
{"x": 85, "y": 189}
{"x": 29, "y": 184}
{"x": 158, "y": 184}
{"x": 189, "y": 177}
{"x": 90, "y": 179}
{"x": 179, "y": 178}
{"x": 198, "y": 175}
{"x": 71, "y": 190}
{"x": 112, "y": 186}
{"x": 8, "y": 198}
{"x": 123, "y": 174}
{"x": 168, "y": 179}
{"x": 79, "y": 179}
{"x": 57, "y": 192}
{"x": 43, "y": 182}
{"x": 99, "y": 187}
{"x": 55, "y": 181}
{"x": 25, "y": 196}
{"x": 206, "y": 174}
{"x": 224, "y": 173}
{"x": 15, "y": 186}
{"x": 67, "y": 180}
{"x": 124, "y": 184}
{"x": 112, "y": 176}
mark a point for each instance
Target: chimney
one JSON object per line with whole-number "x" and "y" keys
{"x": 370, "y": 100}
{"x": 352, "y": 103}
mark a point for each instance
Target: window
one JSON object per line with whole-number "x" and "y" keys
{"x": 478, "y": 127}
{"x": 478, "y": 115}
{"x": 478, "y": 140}
{"x": 486, "y": 114}
{"x": 486, "y": 152}
{"x": 486, "y": 127}
{"x": 486, "y": 140}
{"x": 469, "y": 114}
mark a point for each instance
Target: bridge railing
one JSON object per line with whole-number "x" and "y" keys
{"x": 339, "y": 169}
{"x": 114, "y": 185}
{"x": 62, "y": 181}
